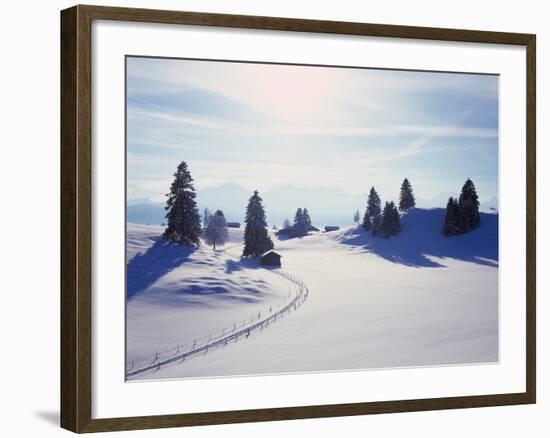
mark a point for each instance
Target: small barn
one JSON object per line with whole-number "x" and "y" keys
{"x": 270, "y": 258}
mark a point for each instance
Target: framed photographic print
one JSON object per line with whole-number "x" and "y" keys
{"x": 270, "y": 218}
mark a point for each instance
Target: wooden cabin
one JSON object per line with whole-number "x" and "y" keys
{"x": 270, "y": 258}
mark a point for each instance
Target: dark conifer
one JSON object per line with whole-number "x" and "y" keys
{"x": 377, "y": 225}
{"x": 373, "y": 204}
{"x": 396, "y": 220}
{"x": 256, "y": 237}
{"x": 391, "y": 223}
{"x": 307, "y": 219}
{"x": 406, "y": 197}
{"x": 184, "y": 222}
{"x": 468, "y": 204}
{"x": 450, "y": 224}
{"x": 300, "y": 227}
{"x": 367, "y": 224}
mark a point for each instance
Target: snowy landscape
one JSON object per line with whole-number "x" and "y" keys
{"x": 415, "y": 300}
{"x": 348, "y": 220}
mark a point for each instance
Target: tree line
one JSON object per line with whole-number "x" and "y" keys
{"x": 386, "y": 222}
{"x": 184, "y": 222}
{"x": 461, "y": 215}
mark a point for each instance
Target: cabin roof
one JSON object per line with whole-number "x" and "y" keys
{"x": 270, "y": 251}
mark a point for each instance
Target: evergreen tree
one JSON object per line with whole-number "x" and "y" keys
{"x": 356, "y": 217}
{"x": 451, "y": 223}
{"x": 307, "y": 219}
{"x": 256, "y": 238}
{"x": 391, "y": 223}
{"x": 215, "y": 232}
{"x": 287, "y": 224}
{"x": 373, "y": 204}
{"x": 300, "y": 223}
{"x": 396, "y": 221}
{"x": 367, "y": 224}
{"x": 376, "y": 225}
{"x": 468, "y": 204}
{"x": 182, "y": 214}
{"x": 406, "y": 197}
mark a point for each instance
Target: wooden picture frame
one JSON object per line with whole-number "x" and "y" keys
{"x": 76, "y": 217}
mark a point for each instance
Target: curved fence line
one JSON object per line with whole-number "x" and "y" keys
{"x": 221, "y": 337}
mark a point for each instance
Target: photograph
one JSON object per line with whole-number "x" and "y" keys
{"x": 298, "y": 218}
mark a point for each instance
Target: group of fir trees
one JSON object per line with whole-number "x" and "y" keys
{"x": 302, "y": 222}
{"x": 386, "y": 222}
{"x": 462, "y": 214}
{"x": 391, "y": 221}
{"x": 184, "y": 222}
{"x": 374, "y": 216}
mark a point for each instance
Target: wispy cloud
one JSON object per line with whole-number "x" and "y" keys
{"x": 263, "y": 125}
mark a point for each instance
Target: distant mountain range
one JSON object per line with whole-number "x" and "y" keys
{"x": 327, "y": 205}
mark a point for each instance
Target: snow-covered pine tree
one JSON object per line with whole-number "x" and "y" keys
{"x": 287, "y": 224}
{"x": 182, "y": 214}
{"x": 307, "y": 219}
{"x": 406, "y": 197}
{"x": 373, "y": 204}
{"x": 298, "y": 221}
{"x": 300, "y": 224}
{"x": 356, "y": 217}
{"x": 377, "y": 225}
{"x": 256, "y": 238}
{"x": 215, "y": 232}
{"x": 390, "y": 220}
{"x": 468, "y": 205}
{"x": 450, "y": 223}
{"x": 367, "y": 224}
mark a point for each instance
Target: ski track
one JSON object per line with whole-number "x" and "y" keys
{"x": 227, "y": 335}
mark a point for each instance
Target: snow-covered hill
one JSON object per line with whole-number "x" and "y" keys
{"x": 177, "y": 295}
{"x": 413, "y": 300}
{"x": 421, "y": 243}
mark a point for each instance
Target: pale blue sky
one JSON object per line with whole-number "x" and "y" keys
{"x": 265, "y": 126}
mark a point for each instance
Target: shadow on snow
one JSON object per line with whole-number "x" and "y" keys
{"x": 146, "y": 268}
{"x": 421, "y": 237}
{"x": 162, "y": 257}
{"x": 246, "y": 263}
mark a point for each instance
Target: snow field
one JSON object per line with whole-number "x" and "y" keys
{"x": 418, "y": 299}
{"x": 209, "y": 296}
